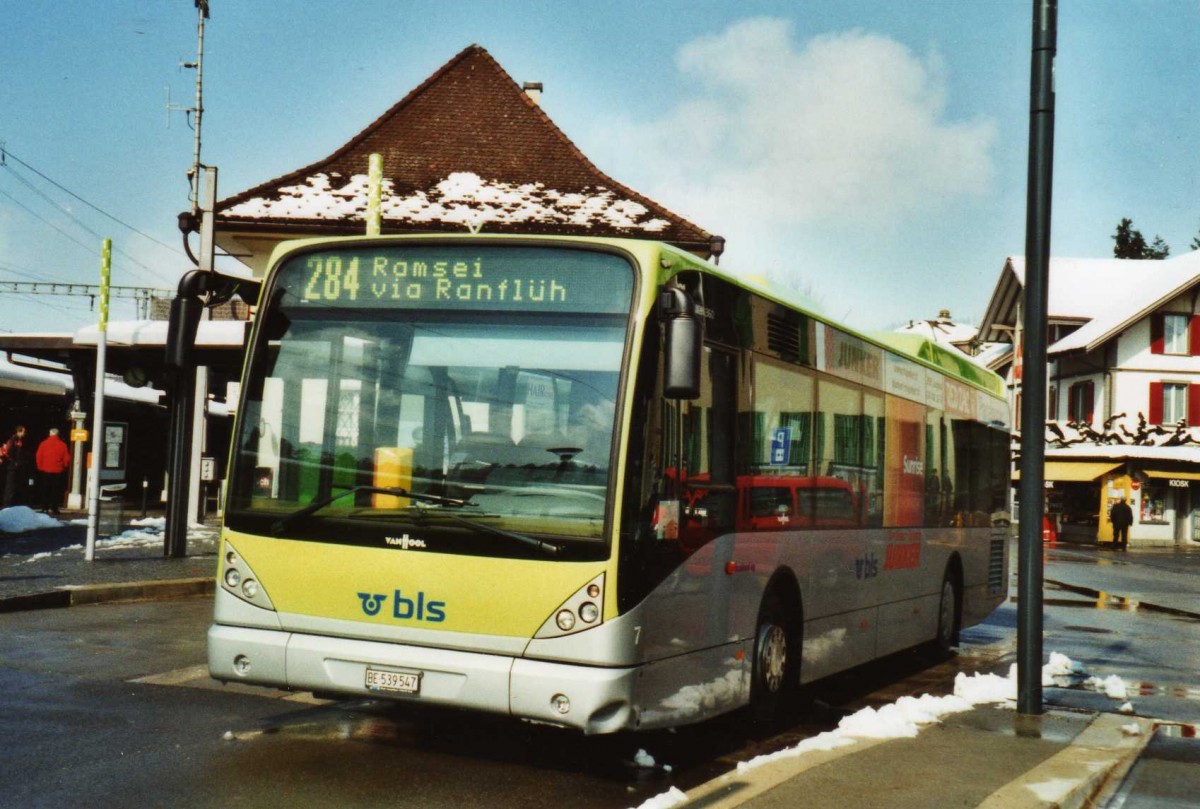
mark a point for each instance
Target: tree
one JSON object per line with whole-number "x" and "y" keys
{"x": 1196, "y": 242}
{"x": 1130, "y": 243}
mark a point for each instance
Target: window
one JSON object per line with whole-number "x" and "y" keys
{"x": 1080, "y": 400}
{"x": 1174, "y": 403}
{"x": 840, "y": 439}
{"x": 1170, "y": 334}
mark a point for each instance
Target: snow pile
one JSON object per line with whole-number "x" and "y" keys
{"x": 144, "y": 533}
{"x": 665, "y": 800}
{"x": 463, "y": 197}
{"x": 905, "y": 717}
{"x": 1113, "y": 687}
{"x": 19, "y": 519}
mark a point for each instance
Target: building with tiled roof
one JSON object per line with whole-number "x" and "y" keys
{"x": 468, "y": 149}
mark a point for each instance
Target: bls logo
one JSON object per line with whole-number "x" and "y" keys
{"x": 866, "y": 567}
{"x": 405, "y": 609}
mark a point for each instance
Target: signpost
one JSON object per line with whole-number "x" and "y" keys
{"x": 98, "y": 404}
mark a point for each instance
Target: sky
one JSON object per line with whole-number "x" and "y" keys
{"x": 872, "y": 154}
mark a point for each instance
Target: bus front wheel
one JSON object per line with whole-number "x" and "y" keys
{"x": 775, "y": 678}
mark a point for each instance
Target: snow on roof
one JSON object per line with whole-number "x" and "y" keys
{"x": 57, "y": 383}
{"x": 1147, "y": 285}
{"x": 1088, "y": 452}
{"x": 1084, "y": 287}
{"x": 211, "y": 333}
{"x": 461, "y": 198}
{"x": 941, "y": 329}
{"x": 990, "y": 354}
{"x": 32, "y": 379}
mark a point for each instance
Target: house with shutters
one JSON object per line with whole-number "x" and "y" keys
{"x": 1123, "y": 392}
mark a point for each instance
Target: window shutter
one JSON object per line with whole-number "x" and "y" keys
{"x": 1194, "y": 337}
{"x": 1088, "y": 392}
{"x": 1193, "y": 405}
{"x": 1156, "y": 403}
{"x": 1156, "y": 335}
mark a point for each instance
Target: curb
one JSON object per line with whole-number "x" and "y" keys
{"x": 109, "y": 593}
{"x": 1094, "y": 764}
{"x": 735, "y": 788}
{"x": 1081, "y": 775}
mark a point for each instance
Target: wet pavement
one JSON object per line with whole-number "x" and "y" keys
{"x": 1084, "y": 751}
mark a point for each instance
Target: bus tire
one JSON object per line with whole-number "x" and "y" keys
{"x": 949, "y": 612}
{"x": 775, "y": 679}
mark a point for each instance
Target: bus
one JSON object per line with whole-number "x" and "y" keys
{"x": 595, "y": 483}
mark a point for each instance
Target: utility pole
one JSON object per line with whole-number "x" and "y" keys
{"x": 189, "y": 384}
{"x": 1033, "y": 376}
{"x": 198, "y": 110}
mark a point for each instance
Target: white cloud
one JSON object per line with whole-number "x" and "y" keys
{"x": 787, "y": 142}
{"x": 847, "y": 124}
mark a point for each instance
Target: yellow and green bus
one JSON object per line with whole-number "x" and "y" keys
{"x": 596, "y": 483}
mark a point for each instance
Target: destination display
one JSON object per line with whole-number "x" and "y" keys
{"x": 489, "y": 277}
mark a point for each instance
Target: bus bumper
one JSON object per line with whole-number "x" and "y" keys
{"x": 586, "y": 698}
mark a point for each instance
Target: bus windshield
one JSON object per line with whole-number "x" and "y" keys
{"x": 496, "y": 389}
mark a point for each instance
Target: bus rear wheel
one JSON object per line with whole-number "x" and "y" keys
{"x": 775, "y": 676}
{"x": 949, "y": 614}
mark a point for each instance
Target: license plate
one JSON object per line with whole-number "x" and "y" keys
{"x": 395, "y": 682}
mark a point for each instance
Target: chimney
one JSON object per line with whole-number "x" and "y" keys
{"x": 533, "y": 89}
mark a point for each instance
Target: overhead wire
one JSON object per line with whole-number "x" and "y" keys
{"x": 149, "y": 275}
{"x": 5, "y": 153}
{"x": 91, "y": 249}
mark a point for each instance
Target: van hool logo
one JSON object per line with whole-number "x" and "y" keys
{"x": 404, "y": 542}
{"x": 422, "y": 608}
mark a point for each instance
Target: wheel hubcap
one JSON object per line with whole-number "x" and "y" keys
{"x": 772, "y": 656}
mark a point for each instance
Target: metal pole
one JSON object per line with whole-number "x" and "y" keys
{"x": 98, "y": 406}
{"x": 1033, "y": 382}
{"x": 202, "y": 8}
{"x": 78, "y": 422}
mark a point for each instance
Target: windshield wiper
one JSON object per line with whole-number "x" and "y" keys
{"x": 279, "y": 525}
{"x": 548, "y": 548}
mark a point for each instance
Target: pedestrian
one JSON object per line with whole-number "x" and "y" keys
{"x": 53, "y": 460}
{"x": 1122, "y": 517}
{"x": 16, "y": 468}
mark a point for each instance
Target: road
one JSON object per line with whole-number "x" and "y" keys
{"x": 109, "y": 706}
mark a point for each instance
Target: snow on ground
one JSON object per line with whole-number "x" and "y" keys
{"x": 19, "y": 519}
{"x": 906, "y": 716}
{"x": 143, "y": 533}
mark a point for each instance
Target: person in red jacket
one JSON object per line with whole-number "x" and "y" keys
{"x": 53, "y": 459}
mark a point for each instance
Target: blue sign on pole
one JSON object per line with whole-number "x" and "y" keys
{"x": 781, "y": 446}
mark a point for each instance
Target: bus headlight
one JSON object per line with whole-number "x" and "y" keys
{"x": 239, "y": 580}
{"x": 583, "y": 610}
